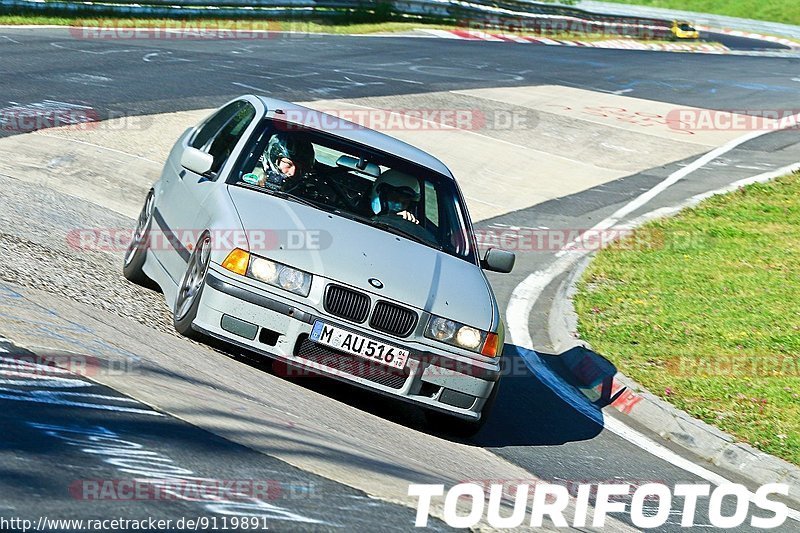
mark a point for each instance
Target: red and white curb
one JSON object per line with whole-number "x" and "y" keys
{"x": 624, "y": 44}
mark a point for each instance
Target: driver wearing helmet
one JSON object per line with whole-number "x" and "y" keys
{"x": 393, "y": 193}
{"x": 284, "y": 162}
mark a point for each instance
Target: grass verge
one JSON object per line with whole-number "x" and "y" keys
{"x": 786, "y": 11}
{"x": 703, "y": 309}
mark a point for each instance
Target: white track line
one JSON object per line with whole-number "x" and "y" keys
{"x": 696, "y": 199}
{"x": 93, "y": 145}
{"x": 673, "y": 178}
{"x": 528, "y": 291}
{"x": 581, "y": 404}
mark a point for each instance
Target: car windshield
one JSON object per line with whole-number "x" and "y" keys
{"x": 357, "y": 182}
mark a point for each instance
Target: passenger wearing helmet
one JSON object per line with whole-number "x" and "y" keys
{"x": 285, "y": 161}
{"x": 394, "y": 193}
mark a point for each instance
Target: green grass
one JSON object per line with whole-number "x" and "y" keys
{"x": 786, "y": 11}
{"x": 704, "y": 310}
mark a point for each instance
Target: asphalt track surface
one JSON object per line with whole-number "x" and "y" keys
{"x": 154, "y": 76}
{"x": 735, "y": 42}
{"x": 73, "y": 446}
{"x": 531, "y": 427}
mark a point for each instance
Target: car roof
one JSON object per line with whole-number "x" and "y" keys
{"x": 353, "y": 132}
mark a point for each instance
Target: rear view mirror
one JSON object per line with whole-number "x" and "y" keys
{"x": 196, "y": 160}
{"x": 497, "y": 260}
{"x": 353, "y": 163}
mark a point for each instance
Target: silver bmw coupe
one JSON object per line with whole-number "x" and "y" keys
{"x": 330, "y": 247}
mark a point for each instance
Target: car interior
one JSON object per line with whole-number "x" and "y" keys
{"x": 342, "y": 180}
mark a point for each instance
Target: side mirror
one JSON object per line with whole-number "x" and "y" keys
{"x": 498, "y": 260}
{"x": 196, "y": 160}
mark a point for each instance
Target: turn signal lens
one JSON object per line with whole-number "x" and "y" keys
{"x": 237, "y": 261}
{"x": 490, "y": 346}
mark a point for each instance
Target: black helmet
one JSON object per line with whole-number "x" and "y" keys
{"x": 283, "y": 145}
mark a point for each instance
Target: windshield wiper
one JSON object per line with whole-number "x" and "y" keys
{"x": 278, "y": 194}
{"x": 385, "y": 226}
{"x": 397, "y": 231}
{"x": 376, "y": 223}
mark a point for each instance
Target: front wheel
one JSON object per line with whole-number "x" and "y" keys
{"x": 191, "y": 288}
{"x": 137, "y": 249}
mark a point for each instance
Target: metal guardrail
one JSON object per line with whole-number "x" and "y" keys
{"x": 520, "y": 14}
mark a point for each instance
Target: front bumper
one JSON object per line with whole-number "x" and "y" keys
{"x": 271, "y": 324}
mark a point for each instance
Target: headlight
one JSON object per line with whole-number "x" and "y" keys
{"x": 461, "y": 335}
{"x": 291, "y": 279}
{"x": 468, "y": 337}
{"x": 442, "y": 329}
{"x": 279, "y": 275}
{"x": 271, "y": 272}
{"x": 263, "y": 270}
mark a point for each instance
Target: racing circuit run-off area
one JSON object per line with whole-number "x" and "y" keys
{"x": 398, "y": 266}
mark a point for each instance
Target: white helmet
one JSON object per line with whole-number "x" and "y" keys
{"x": 393, "y": 183}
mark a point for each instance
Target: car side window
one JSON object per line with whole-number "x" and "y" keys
{"x": 219, "y": 135}
{"x": 225, "y": 141}
{"x": 210, "y": 128}
{"x": 431, "y": 203}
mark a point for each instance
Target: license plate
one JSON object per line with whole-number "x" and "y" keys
{"x": 355, "y": 344}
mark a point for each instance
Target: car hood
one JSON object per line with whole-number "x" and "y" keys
{"x": 352, "y": 253}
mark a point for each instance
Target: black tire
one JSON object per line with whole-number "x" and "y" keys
{"x": 136, "y": 253}
{"x": 190, "y": 289}
{"x": 458, "y": 427}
